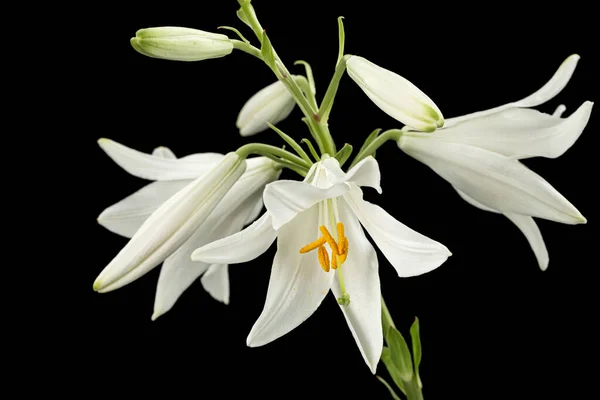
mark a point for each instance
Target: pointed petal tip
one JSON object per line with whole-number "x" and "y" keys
{"x": 544, "y": 265}
{"x": 155, "y": 315}
{"x": 97, "y": 285}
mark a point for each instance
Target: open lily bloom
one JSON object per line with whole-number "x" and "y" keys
{"x": 479, "y": 153}
{"x": 238, "y": 207}
{"x": 321, "y": 246}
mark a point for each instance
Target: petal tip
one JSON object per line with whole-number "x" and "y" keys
{"x": 98, "y": 284}
{"x": 155, "y": 315}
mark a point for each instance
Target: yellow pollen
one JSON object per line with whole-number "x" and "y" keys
{"x": 324, "y": 259}
{"x": 339, "y": 249}
{"x": 314, "y": 245}
{"x": 330, "y": 240}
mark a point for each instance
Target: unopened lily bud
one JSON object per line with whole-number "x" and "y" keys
{"x": 271, "y": 104}
{"x": 181, "y": 44}
{"x": 395, "y": 95}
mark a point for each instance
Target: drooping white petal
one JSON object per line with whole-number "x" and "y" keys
{"x": 241, "y": 247}
{"x": 216, "y": 282}
{"x": 526, "y": 224}
{"x": 163, "y": 152}
{"x": 532, "y": 232}
{"x": 407, "y": 250}
{"x": 297, "y": 285}
{"x": 125, "y": 217}
{"x": 395, "y": 95}
{"x": 364, "y": 173}
{"x": 361, "y": 281}
{"x": 271, "y": 104}
{"x": 170, "y": 225}
{"x": 159, "y": 168}
{"x": 492, "y": 179}
{"x": 557, "y": 83}
{"x": 519, "y": 132}
{"x": 285, "y": 199}
{"x": 179, "y": 271}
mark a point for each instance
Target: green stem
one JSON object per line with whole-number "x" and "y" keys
{"x": 271, "y": 151}
{"x": 392, "y": 134}
{"x": 251, "y": 17}
{"x": 386, "y": 317}
{"x": 327, "y": 102}
{"x": 247, "y": 48}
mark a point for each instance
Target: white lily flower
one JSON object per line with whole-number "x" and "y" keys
{"x": 272, "y": 104}
{"x": 479, "y": 153}
{"x": 395, "y": 95}
{"x": 240, "y": 206}
{"x": 327, "y": 206}
{"x": 181, "y": 44}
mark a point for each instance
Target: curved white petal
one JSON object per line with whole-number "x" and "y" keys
{"x": 241, "y": 247}
{"x": 557, "y": 83}
{"x": 365, "y": 173}
{"x": 216, "y": 282}
{"x": 559, "y": 111}
{"x": 409, "y": 252}
{"x": 395, "y": 95}
{"x": 492, "y": 179}
{"x": 163, "y": 152}
{"x": 297, "y": 285}
{"x": 526, "y": 224}
{"x": 285, "y": 199}
{"x": 125, "y": 217}
{"x": 520, "y": 132}
{"x": 179, "y": 271}
{"x": 159, "y": 168}
{"x": 256, "y": 210}
{"x": 361, "y": 281}
{"x": 170, "y": 225}
{"x": 271, "y": 104}
{"x": 532, "y": 232}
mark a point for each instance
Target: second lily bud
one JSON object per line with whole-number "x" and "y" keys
{"x": 181, "y": 44}
{"x": 272, "y": 104}
{"x": 395, "y": 95}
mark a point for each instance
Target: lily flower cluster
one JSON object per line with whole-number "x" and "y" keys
{"x": 204, "y": 212}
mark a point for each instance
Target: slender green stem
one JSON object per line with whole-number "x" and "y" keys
{"x": 386, "y": 317}
{"x": 392, "y": 134}
{"x": 327, "y": 102}
{"x": 271, "y": 151}
{"x": 247, "y": 48}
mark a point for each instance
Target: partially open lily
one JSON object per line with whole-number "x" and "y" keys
{"x": 238, "y": 207}
{"x": 321, "y": 246}
{"x": 479, "y": 153}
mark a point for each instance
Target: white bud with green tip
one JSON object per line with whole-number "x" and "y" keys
{"x": 181, "y": 44}
{"x": 395, "y": 95}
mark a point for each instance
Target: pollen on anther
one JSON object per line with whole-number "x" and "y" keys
{"x": 340, "y": 229}
{"x": 330, "y": 240}
{"x": 324, "y": 259}
{"x": 334, "y": 263}
{"x": 314, "y": 245}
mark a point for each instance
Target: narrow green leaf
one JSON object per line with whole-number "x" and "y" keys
{"x": 400, "y": 353}
{"x": 386, "y": 357}
{"x": 415, "y": 334}
{"x": 372, "y": 136}
{"x": 344, "y": 153}
{"x": 387, "y": 385}
{"x": 267, "y": 50}
{"x": 309, "y": 75}
{"x": 311, "y": 148}
{"x": 288, "y": 139}
{"x": 242, "y": 16}
{"x": 230, "y": 28}
{"x": 342, "y": 39}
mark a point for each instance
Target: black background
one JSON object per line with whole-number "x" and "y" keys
{"x": 493, "y": 324}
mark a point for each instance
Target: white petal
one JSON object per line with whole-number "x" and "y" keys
{"x": 256, "y": 211}
{"x": 361, "y": 280}
{"x": 241, "y": 247}
{"x": 492, "y": 179}
{"x": 559, "y": 111}
{"x": 531, "y": 231}
{"x": 163, "y": 152}
{"x": 271, "y": 104}
{"x": 395, "y": 95}
{"x": 159, "y": 168}
{"x": 408, "y": 251}
{"x": 125, "y": 217}
{"x": 284, "y": 199}
{"x": 216, "y": 282}
{"x": 179, "y": 271}
{"x": 365, "y": 173}
{"x": 526, "y": 224}
{"x": 557, "y": 83}
{"x": 520, "y": 132}
{"x": 297, "y": 285}
{"x": 170, "y": 225}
